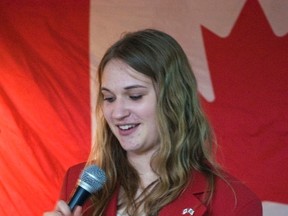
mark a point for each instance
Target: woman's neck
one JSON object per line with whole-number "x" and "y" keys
{"x": 142, "y": 163}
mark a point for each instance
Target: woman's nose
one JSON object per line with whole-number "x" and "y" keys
{"x": 120, "y": 109}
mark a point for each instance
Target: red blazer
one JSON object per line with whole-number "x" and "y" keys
{"x": 226, "y": 202}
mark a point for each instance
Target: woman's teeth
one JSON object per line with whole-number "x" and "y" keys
{"x": 126, "y": 127}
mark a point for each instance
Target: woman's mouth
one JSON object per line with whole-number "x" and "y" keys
{"x": 127, "y": 129}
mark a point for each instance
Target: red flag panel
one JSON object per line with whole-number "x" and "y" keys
{"x": 45, "y": 101}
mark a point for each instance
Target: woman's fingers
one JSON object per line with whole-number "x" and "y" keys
{"x": 77, "y": 211}
{"x": 62, "y": 209}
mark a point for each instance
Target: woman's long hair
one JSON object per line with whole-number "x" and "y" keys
{"x": 185, "y": 134}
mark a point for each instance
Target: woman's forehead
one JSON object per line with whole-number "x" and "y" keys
{"x": 117, "y": 69}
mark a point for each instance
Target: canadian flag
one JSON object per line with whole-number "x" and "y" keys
{"x": 49, "y": 51}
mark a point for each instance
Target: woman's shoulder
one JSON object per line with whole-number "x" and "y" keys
{"x": 234, "y": 197}
{"x": 70, "y": 180}
{"x": 230, "y": 184}
{"x": 230, "y": 197}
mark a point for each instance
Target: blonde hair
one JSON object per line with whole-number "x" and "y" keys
{"x": 185, "y": 134}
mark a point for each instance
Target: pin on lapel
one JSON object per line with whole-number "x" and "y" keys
{"x": 188, "y": 211}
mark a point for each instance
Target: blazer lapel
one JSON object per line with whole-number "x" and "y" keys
{"x": 188, "y": 202}
{"x": 186, "y": 206}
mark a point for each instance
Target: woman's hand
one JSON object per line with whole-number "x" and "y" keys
{"x": 62, "y": 209}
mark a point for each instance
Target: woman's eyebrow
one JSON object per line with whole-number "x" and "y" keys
{"x": 126, "y": 88}
{"x": 105, "y": 89}
{"x": 134, "y": 86}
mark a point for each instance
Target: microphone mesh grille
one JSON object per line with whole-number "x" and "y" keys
{"x": 92, "y": 178}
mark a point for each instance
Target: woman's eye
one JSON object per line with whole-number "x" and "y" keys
{"x": 108, "y": 99}
{"x": 136, "y": 97}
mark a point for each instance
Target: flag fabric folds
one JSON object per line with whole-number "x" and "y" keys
{"x": 44, "y": 102}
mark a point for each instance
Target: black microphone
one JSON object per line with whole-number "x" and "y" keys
{"x": 91, "y": 180}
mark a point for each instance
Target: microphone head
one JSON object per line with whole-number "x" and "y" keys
{"x": 92, "y": 179}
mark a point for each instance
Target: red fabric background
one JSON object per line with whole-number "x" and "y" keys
{"x": 45, "y": 101}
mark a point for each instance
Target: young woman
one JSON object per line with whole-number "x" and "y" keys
{"x": 153, "y": 140}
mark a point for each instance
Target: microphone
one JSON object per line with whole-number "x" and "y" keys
{"x": 91, "y": 180}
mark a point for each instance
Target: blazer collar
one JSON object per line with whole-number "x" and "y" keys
{"x": 187, "y": 204}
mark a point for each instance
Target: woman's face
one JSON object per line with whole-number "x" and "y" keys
{"x": 129, "y": 107}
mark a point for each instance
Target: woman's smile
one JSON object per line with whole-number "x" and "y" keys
{"x": 127, "y": 129}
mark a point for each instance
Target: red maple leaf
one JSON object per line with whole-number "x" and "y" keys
{"x": 249, "y": 114}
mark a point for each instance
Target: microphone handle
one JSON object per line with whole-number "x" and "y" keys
{"x": 79, "y": 197}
